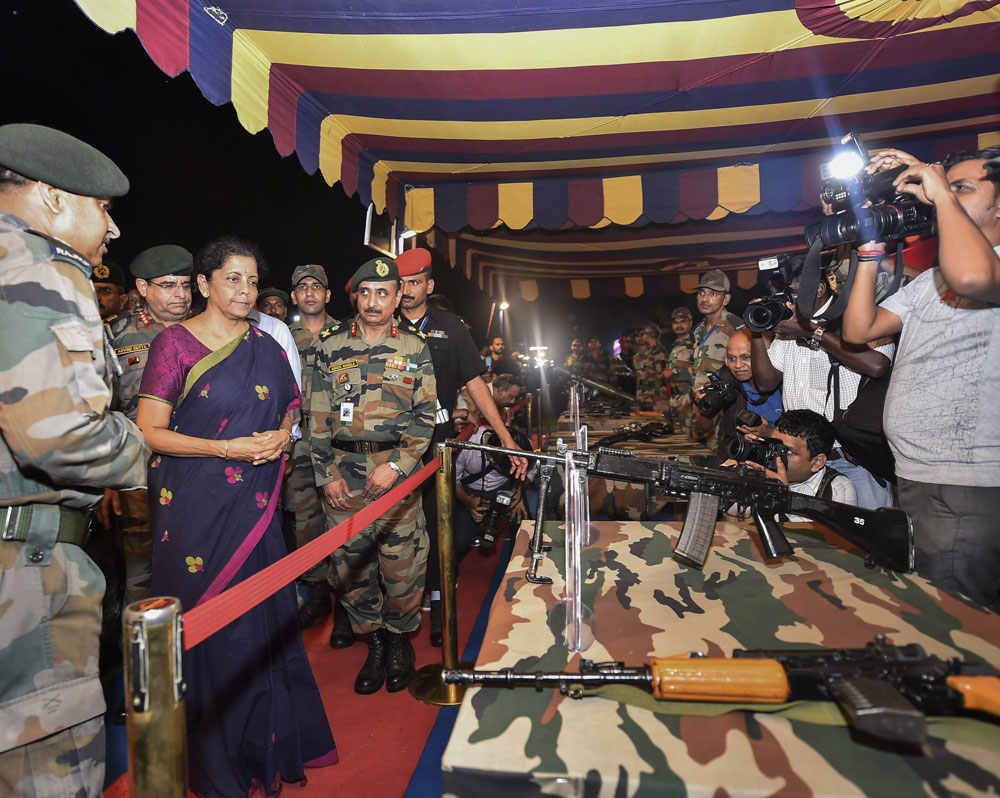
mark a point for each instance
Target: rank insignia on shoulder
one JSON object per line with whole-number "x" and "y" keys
{"x": 144, "y": 318}
{"x": 393, "y": 330}
{"x": 354, "y": 329}
{"x": 324, "y": 334}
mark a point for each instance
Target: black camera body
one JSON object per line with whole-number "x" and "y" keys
{"x": 495, "y": 513}
{"x": 768, "y": 313}
{"x": 763, "y": 451}
{"x": 889, "y": 217}
{"x": 719, "y": 394}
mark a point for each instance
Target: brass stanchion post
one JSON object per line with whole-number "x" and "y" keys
{"x": 538, "y": 400}
{"x": 427, "y": 684}
{"x": 527, "y": 419}
{"x": 154, "y": 697}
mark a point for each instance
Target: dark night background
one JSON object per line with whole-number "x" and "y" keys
{"x": 196, "y": 173}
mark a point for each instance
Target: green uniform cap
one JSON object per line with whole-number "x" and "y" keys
{"x": 109, "y": 272}
{"x": 51, "y": 156}
{"x": 160, "y": 261}
{"x": 377, "y": 270}
{"x": 309, "y": 270}
{"x": 275, "y": 292}
{"x": 681, "y": 313}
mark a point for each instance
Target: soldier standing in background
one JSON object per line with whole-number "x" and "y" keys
{"x": 650, "y": 384}
{"x": 60, "y": 448}
{"x": 371, "y": 418}
{"x": 163, "y": 278}
{"x": 310, "y": 294}
{"x": 274, "y": 302}
{"x": 678, "y": 373}
{"x": 711, "y": 336}
{"x": 109, "y": 285}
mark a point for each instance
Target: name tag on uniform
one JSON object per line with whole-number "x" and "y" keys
{"x": 347, "y": 364}
{"x": 346, "y": 412}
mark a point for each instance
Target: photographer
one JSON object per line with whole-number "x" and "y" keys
{"x": 735, "y": 393}
{"x": 811, "y": 363}
{"x": 487, "y": 494}
{"x": 809, "y": 440}
{"x": 942, "y": 417}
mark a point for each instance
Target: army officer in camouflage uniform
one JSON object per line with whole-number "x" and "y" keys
{"x": 710, "y": 338}
{"x": 59, "y": 448}
{"x": 678, "y": 372}
{"x": 371, "y": 417}
{"x": 650, "y": 384}
{"x": 163, "y": 276}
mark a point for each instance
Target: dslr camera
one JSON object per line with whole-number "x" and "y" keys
{"x": 499, "y": 507}
{"x": 770, "y": 312}
{"x": 763, "y": 451}
{"x": 848, "y": 186}
{"x": 719, "y": 394}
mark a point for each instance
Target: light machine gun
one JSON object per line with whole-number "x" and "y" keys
{"x": 597, "y": 385}
{"x": 884, "y": 534}
{"x": 884, "y": 691}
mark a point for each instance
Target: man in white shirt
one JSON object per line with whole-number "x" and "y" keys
{"x": 800, "y": 361}
{"x": 809, "y": 438}
{"x": 942, "y": 412}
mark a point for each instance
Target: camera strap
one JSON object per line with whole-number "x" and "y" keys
{"x": 812, "y": 273}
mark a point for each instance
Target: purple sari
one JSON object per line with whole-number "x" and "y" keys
{"x": 255, "y": 717}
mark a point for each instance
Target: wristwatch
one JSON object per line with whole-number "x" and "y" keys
{"x": 816, "y": 339}
{"x": 395, "y": 467}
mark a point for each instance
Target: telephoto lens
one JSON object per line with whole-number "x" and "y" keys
{"x": 768, "y": 313}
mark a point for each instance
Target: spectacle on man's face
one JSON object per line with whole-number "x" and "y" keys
{"x": 168, "y": 297}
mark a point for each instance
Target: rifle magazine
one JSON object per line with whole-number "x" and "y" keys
{"x": 699, "y": 526}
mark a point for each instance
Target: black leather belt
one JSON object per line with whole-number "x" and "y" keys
{"x": 15, "y": 523}
{"x": 363, "y": 446}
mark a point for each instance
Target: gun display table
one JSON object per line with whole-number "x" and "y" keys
{"x": 510, "y": 742}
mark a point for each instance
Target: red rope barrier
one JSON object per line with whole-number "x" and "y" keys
{"x": 206, "y": 619}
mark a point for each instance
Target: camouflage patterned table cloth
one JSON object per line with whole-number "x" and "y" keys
{"x": 521, "y": 742}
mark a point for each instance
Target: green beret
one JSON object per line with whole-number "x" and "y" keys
{"x": 160, "y": 261}
{"x": 274, "y": 292}
{"x": 51, "y": 156}
{"x": 109, "y": 272}
{"x": 377, "y": 270}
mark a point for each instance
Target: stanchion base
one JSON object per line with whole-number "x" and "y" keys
{"x": 428, "y": 687}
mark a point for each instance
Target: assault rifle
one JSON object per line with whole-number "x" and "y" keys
{"x": 884, "y": 691}
{"x": 597, "y": 385}
{"x": 884, "y": 534}
{"x": 638, "y": 432}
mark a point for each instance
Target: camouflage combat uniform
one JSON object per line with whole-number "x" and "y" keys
{"x": 679, "y": 361}
{"x": 709, "y": 357}
{"x": 382, "y": 393}
{"x": 131, "y": 337}
{"x": 60, "y": 448}
{"x": 299, "y": 491}
{"x": 650, "y": 390}
{"x": 597, "y": 368}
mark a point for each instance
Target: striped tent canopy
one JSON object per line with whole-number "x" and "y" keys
{"x": 583, "y": 147}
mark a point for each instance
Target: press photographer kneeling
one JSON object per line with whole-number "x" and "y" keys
{"x": 796, "y": 454}
{"x": 733, "y": 391}
{"x": 489, "y": 498}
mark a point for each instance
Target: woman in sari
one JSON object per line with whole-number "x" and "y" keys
{"x": 216, "y": 405}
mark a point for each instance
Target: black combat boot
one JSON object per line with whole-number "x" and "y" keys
{"x": 342, "y": 635}
{"x": 436, "y": 622}
{"x": 372, "y": 673}
{"x": 401, "y": 660}
{"x": 317, "y": 604}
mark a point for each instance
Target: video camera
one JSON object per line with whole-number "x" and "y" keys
{"x": 763, "y": 451}
{"x": 719, "y": 394}
{"x": 848, "y": 187}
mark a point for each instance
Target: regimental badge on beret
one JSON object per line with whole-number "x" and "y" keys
{"x": 102, "y": 271}
{"x": 381, "y": 268}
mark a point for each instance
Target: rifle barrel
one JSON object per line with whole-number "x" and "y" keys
{"x": 639, "y": 677}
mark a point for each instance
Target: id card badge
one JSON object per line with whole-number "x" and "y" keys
{"x": 346, "y": 412}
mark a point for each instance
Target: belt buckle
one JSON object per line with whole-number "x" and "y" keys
{"x": 9, "y": 517}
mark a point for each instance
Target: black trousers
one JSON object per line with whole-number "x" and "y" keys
{"x": 956, "y": 534}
